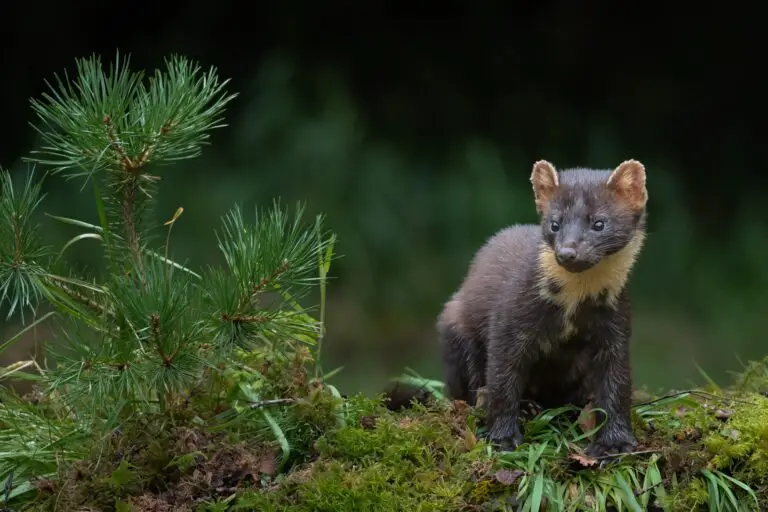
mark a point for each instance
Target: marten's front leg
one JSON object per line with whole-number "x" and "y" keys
{"x": 613, "y": 380}
{"x": 511, "y": 353}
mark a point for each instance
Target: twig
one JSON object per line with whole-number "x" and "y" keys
{"x": 265, "y": 281}
{"x": 79, "y": 296}
{"x": 16, "y": 367}
{"x": 644, "y": 490}
{"x": 129, "y": 201}
{"x": 125, "y": 160}
{"x": 712, "y": 396}
{"x": 144, "y": 155}
{"x": 268, "y": 403}
{"x": 665, "y": 397}
{"x": 242, "y": 319}
{"x": 279, "y": 270}
{"x": 154, "y": 325}
{"x": 626, "y": 454}
{"x": 131, "y": 168}
{"x": 703, "y": 394}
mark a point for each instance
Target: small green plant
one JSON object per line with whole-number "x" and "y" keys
{"x": 144, "y": 333}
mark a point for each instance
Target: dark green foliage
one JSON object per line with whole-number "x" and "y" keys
{"x": 22, "y": 256}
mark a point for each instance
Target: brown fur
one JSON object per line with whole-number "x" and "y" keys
{"x": 543, "y": 312}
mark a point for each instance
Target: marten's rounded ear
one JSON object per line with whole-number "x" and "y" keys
{"x": 628, "y": 182}
{"x": 544, "y": 180}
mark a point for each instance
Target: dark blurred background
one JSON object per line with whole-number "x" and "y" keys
{"x": 414, "y": 127}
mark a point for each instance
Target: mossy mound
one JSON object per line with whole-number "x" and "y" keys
{"x": 699, "y": 449}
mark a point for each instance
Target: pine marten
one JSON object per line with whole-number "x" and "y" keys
{"x": 543, "y": 312}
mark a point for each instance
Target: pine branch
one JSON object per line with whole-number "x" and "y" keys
{"x": 244, "y": 319}
{"x": 111, "y": 120}
{"x": 125, "y": 161}
{"x": 78, "y": 295}
{"x": 22, "y": 255}
{"x": 116, "y": 123}
{"x": 274, "y": 254}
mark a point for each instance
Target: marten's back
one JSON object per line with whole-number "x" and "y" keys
{"x": 507, "y": 259}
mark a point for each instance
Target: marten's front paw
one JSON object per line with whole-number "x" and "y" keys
{"x": 506, "y": 440}
{"x": 620, "y": 442}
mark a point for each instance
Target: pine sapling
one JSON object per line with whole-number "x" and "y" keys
{"x": 151, "y": 330}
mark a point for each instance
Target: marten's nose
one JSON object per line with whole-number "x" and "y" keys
{"x": 566, "y": 254}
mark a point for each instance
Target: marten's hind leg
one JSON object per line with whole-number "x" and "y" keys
{"x": 464, "y": 362}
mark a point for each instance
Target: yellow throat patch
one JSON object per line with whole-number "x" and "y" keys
{"x": 609, "y": 275}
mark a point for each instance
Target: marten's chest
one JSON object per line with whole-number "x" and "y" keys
{"x": 588, "y": 320}
{"x": 571, "y": 350}
{"x": 564, "y": 331}
{"x": 568, "y": 375}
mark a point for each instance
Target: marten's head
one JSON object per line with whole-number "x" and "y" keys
{"x": 588, "y": 216}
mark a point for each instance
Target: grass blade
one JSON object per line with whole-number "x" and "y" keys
{"x": 19, "y": 334}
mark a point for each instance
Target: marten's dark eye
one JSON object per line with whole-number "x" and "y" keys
{"x": 554, "y": 226}
{"x": 598, "y": 225}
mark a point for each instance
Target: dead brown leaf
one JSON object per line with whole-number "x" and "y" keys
{"x": 587, "y": 418}
{"x": 45, "y": 486}
{"x": 691, "y": 433}
{"x": 460, "y": 408}
{"x": 149, "y": 502}
{"x": 584, "y": 460}
{"x": 405, "y": 423}
{"x": 723, "y": 414}
{"x": 508, "y": 476}
{"x": 268, "y": 464}
{"x": 469, "y": 439}
{"x": 368, "y": 422}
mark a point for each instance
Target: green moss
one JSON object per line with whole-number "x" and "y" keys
{"x": 420, "y": 460}
{"x": 377, "y": 487}
{"x": 754, "y": 377}
{"x": 429, "y": 459}
{"x": 691, "y": 496}
{"x": 741, "y": 444}
{"x": 323, "y": 452}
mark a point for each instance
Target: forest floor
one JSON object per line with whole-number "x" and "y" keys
{"x": 318, "y": 451}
